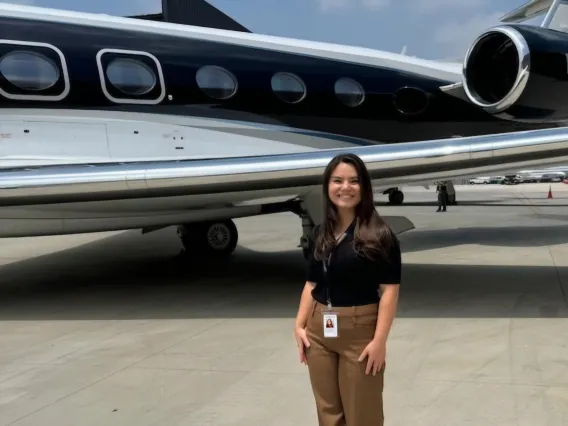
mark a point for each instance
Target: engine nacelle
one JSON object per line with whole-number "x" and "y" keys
{"x": 519, "y": 72}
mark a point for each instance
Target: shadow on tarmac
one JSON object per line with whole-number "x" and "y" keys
{"x": 525, "y": 236}
{"x": 129, "y": 276}
{"x": 479, "y": 203}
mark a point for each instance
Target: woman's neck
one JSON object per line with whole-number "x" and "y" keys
{"x": 345, "y": 218}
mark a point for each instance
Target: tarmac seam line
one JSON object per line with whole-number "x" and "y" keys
{"x": 112, "y": 374}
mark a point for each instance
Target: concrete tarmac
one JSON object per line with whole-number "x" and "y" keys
{"x": 118, "y": 329}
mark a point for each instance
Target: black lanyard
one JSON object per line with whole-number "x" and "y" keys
{"x": 325, "y": 266}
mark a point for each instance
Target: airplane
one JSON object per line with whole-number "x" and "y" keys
{"x": 116, "y": 123}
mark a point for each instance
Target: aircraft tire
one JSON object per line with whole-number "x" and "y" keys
{"x": 212, "y": 238}
{"x": 396, "y": 197}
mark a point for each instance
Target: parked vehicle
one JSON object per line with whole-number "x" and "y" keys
{"x": 553, "y": 177}
{"x": 479, "y": 180}
{"x": 512, "y": 180}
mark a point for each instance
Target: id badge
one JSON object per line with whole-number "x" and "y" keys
{"x": 330, "y": 325}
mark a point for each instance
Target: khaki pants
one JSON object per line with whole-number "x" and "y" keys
{"x": 344, "y": 395}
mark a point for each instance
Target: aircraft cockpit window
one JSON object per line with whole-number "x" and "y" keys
{"x": 288, "y": 87}
{"x": 349, "y": 92}
{"x": 29, "y": 71}
{"x": 131, "y": 76}
{"x": 216, "y": 82}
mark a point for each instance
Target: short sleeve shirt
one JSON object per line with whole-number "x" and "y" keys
{"x": 351, "y": 278}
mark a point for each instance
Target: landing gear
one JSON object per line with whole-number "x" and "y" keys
{"x": 211, "y": 238}
{"x": 307, "y": 230}
{"x": 396, "y": 196}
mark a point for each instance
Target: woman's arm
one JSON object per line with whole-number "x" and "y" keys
{"x": 376, "y": 350}
{"x": 313, "y": 275}
{"x": 306, "y": 301}
{"x": 387, "y": 311}
{"x": 389, "y": 290}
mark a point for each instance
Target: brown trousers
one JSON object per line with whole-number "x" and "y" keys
{"x": 344, "y": 394}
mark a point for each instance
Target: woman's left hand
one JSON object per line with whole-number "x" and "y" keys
{"x": 376, "y": 353}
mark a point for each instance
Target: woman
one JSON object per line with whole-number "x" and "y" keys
{"x": 353, "y": 280}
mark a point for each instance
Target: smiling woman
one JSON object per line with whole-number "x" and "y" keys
{"x": 349, "y": 299}
{"x": 344, "y": 191}
{"x": 349, "y": 201}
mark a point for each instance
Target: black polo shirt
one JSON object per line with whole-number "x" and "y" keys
{"x": 352, "y": 279}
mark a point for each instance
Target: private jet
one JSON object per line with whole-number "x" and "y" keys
{"x": 116, "y": 123}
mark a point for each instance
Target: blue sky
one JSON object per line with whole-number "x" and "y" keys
{"x": 434, "y": 29}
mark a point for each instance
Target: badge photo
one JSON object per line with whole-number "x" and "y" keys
{"x": 330, "y": 325}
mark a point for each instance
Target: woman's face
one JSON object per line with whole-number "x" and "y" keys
{"x": 343, "y": 188}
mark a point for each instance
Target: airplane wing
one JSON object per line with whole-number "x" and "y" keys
{"x": 389, "y": 165}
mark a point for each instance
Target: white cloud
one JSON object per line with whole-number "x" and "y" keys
{"x": 333, "y": 5}
{"x": 330, "y": 5}
{"x": 455, "y": 37}
{"x": 432, "y": 6}
{"x": 24, "y": 2}
{"x": 454, "y": 24}
{"x": 146, "y": 6}
{"x": 420, "y": 6}
{"x": 375, "y": 4}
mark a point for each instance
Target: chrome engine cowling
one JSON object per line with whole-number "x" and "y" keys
{"x": 520, "y": 72}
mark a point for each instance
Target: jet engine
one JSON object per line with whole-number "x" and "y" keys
{"x": 519, "y": 72}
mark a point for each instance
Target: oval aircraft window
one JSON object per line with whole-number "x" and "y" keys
{"x": 349, "y": 92}
{"x": 130, "y": 76}
{"x": 216, "y": 82}
{"x": 29, "y": 70}
{"x": 288, "y": 87}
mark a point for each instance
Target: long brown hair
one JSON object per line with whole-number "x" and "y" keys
{"x": 372, "y": 235}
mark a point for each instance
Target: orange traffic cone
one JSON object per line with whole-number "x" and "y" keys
{"x": 549, "y": 192}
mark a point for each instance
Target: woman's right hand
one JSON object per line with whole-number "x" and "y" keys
{"x": 302, "y": 342}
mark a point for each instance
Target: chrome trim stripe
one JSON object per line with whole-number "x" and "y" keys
{"x": 398, "y": 163}
{"x": 451, "y": 87}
